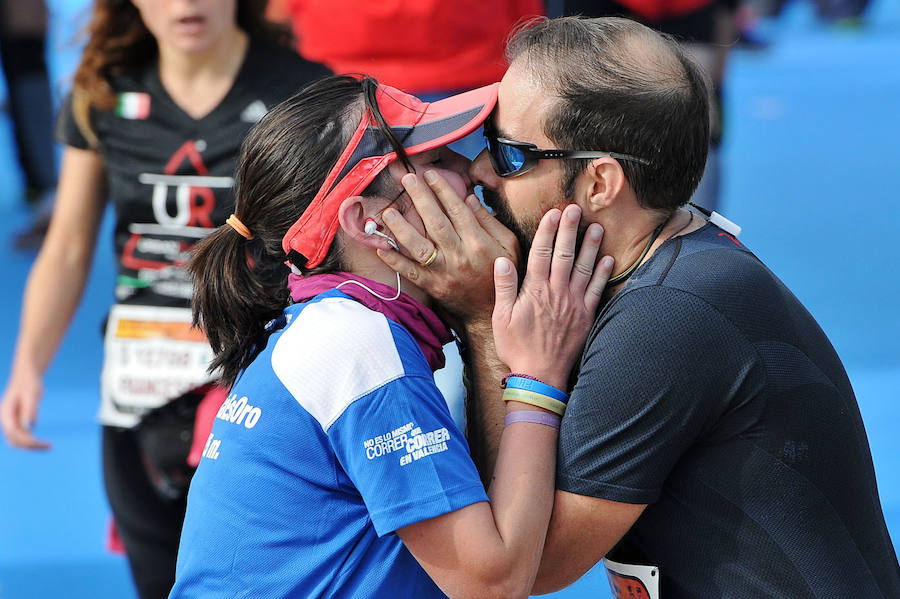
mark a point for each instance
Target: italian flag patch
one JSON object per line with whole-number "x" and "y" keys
{"x": 133, "y": 105}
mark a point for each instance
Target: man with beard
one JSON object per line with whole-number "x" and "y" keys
{"x": 712, "y": 445}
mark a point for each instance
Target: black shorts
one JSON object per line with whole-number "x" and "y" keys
{"x": 148, "y": 523}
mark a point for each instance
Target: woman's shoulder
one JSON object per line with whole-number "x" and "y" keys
{"x": 338, "y": 325}
{"x": 334, "y": 347}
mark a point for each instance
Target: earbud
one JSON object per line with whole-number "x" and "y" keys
{"x": 371, "y": 228}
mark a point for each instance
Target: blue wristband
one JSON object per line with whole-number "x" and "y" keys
{"x": 535, "y": 386}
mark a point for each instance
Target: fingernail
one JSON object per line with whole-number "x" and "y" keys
{"x": 501, "y": 266}
{"x": 595, "y": 231}
{"x": 607, "y": 262}
{"x": 573, "y": 216}
{"x": 555, "y": 216}
{"x": 408, "y": 181}
{"x": 430, "y": 177}
{"x": 389, "y": 215}
{"x": 473, "y": 202}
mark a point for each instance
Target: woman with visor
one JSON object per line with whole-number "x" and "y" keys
{"x": 334, "y": 468}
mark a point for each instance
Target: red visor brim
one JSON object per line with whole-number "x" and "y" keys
{"x": 425, "y": 126}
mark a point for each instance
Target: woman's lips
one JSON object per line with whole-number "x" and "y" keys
{"x": 192, "y": 25}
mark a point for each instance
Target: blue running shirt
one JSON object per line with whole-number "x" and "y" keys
{"x": 333, "y": 438}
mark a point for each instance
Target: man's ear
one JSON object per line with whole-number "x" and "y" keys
{"x": 605, "y": 180}
{"x": 352, "y": 215}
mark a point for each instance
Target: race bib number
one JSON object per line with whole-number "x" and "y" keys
{"x": 151, "y": 356}
{"x": 629, "y": 581}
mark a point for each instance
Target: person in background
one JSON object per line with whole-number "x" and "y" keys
{"x": 334, "y": 469}
{"x": 23, "y": 30}
{"x": 161, "y": 100}
{"x": 421, "y": 47}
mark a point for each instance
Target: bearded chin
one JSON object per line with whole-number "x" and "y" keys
{"x": 523, "y": 231}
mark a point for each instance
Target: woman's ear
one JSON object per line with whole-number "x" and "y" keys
{"x": 352, "y": 216}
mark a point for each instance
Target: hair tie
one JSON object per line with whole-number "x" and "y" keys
{"x": 238, "y": 226}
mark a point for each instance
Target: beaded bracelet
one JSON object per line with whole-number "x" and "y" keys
{"x": 535, "y": 399}
{"x": 551, "y": 420}
{"x": 529, "y": 383}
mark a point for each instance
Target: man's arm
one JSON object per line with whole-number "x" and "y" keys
{"x": 582, "y": 531}
{"x": 540, "y": 330}
{"x": 482, "y": 371}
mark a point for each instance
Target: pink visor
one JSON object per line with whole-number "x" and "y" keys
{"x": 420, "y": 126}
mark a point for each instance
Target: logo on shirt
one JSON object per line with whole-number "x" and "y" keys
{"x": 409, "y": 439}
{"x": 183, "y": 200}
{"x": 133, "y": 105}
{"x": 194, "y": 198}
{"x": 239, "y": 411}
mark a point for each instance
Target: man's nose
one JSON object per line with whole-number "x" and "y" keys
{"x": 482, "y": 172}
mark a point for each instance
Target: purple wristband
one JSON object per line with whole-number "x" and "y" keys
{"x": 532, "y": 416}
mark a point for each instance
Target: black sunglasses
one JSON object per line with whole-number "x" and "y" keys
{"x": 512, "y": 158}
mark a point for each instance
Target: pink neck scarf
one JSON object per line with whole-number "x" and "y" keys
{"x": 422, "y": 323}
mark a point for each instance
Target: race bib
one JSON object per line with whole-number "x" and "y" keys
{"x": 151, "y": 356}
{"x": 629, "y": 581}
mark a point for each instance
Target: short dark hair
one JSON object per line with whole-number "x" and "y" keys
{"x": 625, "y": 88}
{"x": 241, "y": 285}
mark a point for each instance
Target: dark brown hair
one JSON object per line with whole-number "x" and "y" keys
{"x": 621, "y": 87}
{"x": 118, "y": 42}
{"x": 240, "y": 285}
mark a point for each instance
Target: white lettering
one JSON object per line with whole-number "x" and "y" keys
{"x": 165, "y": 247}
{"x": 236, "y": 408}
{"x": 239, "y": 411}
{"x": 253, "y": 417}
{"x": 211, "y": 449}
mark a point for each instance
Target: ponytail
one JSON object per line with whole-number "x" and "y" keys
{"x": 240, "y": 284}
{"x": 234, "y": 299}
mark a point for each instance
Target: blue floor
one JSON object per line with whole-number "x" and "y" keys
{"x": 810, "y": 170}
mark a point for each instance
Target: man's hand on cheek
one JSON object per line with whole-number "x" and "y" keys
{"x": 467, "y": 239}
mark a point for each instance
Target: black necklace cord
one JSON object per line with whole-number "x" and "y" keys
{"x": 700, "y": 209}
{"x": 623, "y": 276}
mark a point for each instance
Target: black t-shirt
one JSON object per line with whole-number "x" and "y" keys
{"x": 707, "y": 391}
{"x": 170, "y": 175}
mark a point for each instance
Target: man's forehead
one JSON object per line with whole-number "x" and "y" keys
{"x": 522, "y": 104}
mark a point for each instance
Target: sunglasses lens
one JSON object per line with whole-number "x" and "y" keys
{"x": 506, "y": 158}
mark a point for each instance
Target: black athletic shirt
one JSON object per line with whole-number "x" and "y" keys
{"x": 170, "y": 175}
{"x": 709, "y": 392}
